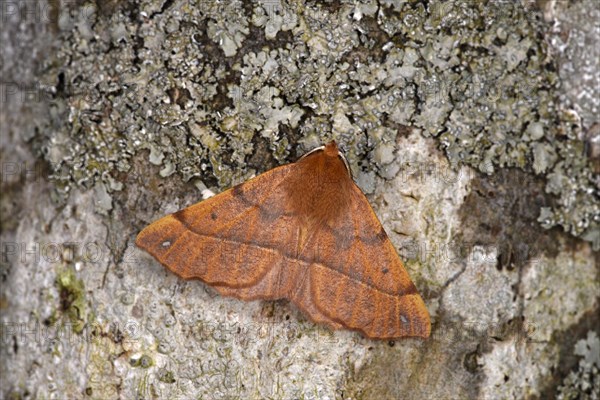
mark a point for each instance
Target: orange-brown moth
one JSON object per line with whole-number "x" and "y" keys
{"x": 303, "y": 232}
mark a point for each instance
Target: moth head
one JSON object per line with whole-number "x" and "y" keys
{"x": 330, "y": 150}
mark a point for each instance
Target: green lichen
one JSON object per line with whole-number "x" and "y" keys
{"x": 166, "y": 376}
{"x": 71, "y": 293}
{"x": 143, "y": 361}
{"x": 202, "y": 88}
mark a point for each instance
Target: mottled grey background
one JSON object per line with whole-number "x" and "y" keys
{"x": 472, "y": 126}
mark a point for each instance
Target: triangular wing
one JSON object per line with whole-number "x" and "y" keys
{"x": 232, "y": 239}
{"x": 358, "y": 281}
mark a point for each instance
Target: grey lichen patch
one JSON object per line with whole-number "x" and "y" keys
{"x": 203, "y": 86}
{"x": 269, "y": 15}
{"x": 226, "y": 25}
{"x": 584, "y": 381}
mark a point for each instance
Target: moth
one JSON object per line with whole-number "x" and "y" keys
{"x": 304, "y": 232}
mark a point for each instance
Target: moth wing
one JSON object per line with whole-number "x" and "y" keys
{"x": 231, "y": 240}
{"x": 358, "y": 281}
